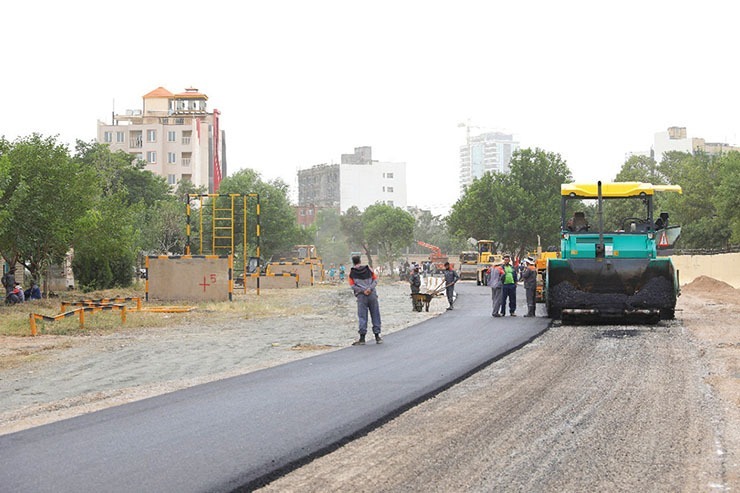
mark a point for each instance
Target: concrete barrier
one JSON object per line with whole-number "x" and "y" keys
{"x": 304, "y": 270}
{"x": 189, "y": 277}
{"x": 285, "y": 280}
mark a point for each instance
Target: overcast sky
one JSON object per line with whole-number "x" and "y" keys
{"x": 301, "y": 82}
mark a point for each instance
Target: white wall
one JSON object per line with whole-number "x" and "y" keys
{"x": 663, "y": 143}
{"x": 363, "y": 185}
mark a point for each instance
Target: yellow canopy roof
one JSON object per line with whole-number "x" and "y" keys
{"x": 618, "y": 189}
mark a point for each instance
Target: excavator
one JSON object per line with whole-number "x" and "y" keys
{"x": 437, "y": 258}
{"x": 612, "y": 275}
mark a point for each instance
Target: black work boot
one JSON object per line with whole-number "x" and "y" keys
{"x": 378, "y": 339}
{"x": 360, "y": 341}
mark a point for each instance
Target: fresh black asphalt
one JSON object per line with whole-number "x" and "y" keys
{"x": 236, "y": 433}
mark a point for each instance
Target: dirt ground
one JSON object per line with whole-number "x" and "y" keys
{"x": 47, "y": 378}
{"x": 581, "y": 408}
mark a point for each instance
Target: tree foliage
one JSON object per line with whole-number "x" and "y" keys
{"x": 106, "y": 244}
{"x": 354, "y": 229}
{"x": 45, "y": 192}
{"x": 389, "y": 229}
{"x": 331, "y": 241}
{"x": 514, "y": 209}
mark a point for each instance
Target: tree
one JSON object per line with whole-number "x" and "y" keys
{"x": 390, "y": 228}
{"x": 727, "y": 197}
{"x": 514, "y": 209}
{"x": 119, "y": 172}
{"x": 433, "y": 230}
{"x": 331, "y": 241}
{"x": 106, "y": 244}
{"x": 354, "y": 229}
{"x": 635, "y": 169}
{"x": 45, "y": 193}
{"x": 695, "y": 210}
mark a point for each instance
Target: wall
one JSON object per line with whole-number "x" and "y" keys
{"x": 723, "y": 267}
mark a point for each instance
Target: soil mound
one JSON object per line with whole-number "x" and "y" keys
{"x": 708, "y": 285}
{"x": 715, "y": 290}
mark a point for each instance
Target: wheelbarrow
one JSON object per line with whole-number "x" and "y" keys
{"x": 422, "y": 300}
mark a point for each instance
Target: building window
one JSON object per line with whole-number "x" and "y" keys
{"x": 186, "y": 161}
{"x": 108, "y": 137}
{"x": 171, "y": 159}
{"x": 171, "y": 179}
{"x": 151, "y": 135}
{"x": 389, "y": 175}
{"x": 171, "y": 136}
{"x": 151, "y": 157}
{"x": 120, "y": 137}
{"x": 389, "y": 202}
{"x": 390, "y": 189}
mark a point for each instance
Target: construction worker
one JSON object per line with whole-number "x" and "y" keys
{"x": 495, "y": 274}
{"x": 451, "y": 278}
{"x": 508, "y": 290}
{"x": 363, "y": 281}
{"x": 529, "y": 276}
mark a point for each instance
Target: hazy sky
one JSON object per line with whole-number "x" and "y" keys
{"x": 301, "y": 82}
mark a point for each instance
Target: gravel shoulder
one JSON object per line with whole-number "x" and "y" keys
{"x": 580, "y": 408}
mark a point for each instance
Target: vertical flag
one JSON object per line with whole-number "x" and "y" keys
{"x": 216, "y": 152}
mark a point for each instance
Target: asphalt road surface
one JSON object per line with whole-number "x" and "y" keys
{"x": 241, "y": 431}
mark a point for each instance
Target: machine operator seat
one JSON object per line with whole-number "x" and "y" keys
{"x": 578, "y": 222}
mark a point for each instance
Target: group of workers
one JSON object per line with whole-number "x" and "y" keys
{"x": 502, "y": 278}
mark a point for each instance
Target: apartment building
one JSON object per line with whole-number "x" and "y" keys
{"x": 174, "y": 134}
{"x": 358, "y": 180}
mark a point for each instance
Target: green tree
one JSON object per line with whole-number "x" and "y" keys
{"x": 635, "y": 169}
{"x": 727, "y": 197}
{"x": 147, "y": 206}
{"x": 119, "y": 172}
{"x": 331, "y": 241}
{"x": 433, "y": 229}
{"x": 695, "y": 210}
{"x": 106, "y": 244}
{"x": 354, "y": 229}
{"x": 45, "y": 193}
{"x": 514, "y": 209}
{"x": 389, "y": 228}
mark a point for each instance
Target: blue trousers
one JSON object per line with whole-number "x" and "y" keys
{"x": 508, "y": 291}
{"x": 369, "y": 303}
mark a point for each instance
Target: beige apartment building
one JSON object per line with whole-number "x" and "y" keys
{"x": 174, "y": 134}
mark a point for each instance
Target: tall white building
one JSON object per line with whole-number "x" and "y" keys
{"x": 357, "y": 181}
{"x": 490, "y": 151}
{"x": 174, "y": 134}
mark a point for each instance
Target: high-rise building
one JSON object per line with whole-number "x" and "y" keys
{"x": 357, "y": 181}
{"x": 490, "y": 151}
{"x": 174, "y": 134}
